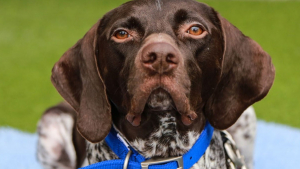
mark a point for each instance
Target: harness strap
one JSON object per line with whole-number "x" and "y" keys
{"x": 234, "y": 159}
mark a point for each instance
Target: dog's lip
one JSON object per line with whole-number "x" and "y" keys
{"x": 186, "y": 118}
{"x": 160, "y": 94}
{"x": 175, "y": 99}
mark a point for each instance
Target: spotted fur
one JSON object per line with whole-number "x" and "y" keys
{"x": 160, "y": 99}
{"x": 55, "y": 146}
{"x": 99, "y": 152}
{"x": 213, "y": 157}
{"x": 166, "y": 141}
{"x": 243, "y": 132}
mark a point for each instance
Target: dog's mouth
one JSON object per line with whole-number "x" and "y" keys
{"x": 160, "y": 100}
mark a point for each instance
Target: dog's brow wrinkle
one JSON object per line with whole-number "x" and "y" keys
{"x": 158, "y": 5}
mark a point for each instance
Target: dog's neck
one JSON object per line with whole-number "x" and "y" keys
{"x": 214, "y": 156}
{"x": 166, "y": 140}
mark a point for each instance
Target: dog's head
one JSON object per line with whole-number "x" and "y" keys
{"x": 162, "y": 55}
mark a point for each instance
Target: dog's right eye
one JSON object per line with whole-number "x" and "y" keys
{"x": 195, "y": 30}
{"x": 122, "y": 34}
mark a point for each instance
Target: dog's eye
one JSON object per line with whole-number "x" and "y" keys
{"x": 195, "y": 30}
{"x": 121, "y": 34}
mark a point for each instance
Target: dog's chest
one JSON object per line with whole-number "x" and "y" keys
{"x": 164, "y": 142}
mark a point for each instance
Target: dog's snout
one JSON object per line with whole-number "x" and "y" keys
{"x": 160, "y": 57}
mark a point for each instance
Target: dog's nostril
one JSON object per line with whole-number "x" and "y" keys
{"x": 171, "y": 59}
{"x": 152, "y": 57}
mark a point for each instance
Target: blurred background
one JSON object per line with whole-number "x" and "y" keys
{"x": 34, "y": 34}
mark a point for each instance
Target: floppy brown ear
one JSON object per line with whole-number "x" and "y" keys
{"x": 77, "y": 79}
{"x": 247, "y": 76}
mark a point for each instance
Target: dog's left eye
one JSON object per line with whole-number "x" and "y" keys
{"x": 122, "y": 34}
{"x": 195, "y": 30}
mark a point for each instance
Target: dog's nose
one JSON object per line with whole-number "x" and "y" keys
{"x": 160, "y": 57}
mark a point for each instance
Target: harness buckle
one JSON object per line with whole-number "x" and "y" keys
{"x": 153, "y": 161}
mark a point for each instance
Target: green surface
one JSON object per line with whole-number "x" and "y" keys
{"x": 34, "y": 34}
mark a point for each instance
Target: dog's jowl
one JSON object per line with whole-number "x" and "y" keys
{"x": 156, "y": 73}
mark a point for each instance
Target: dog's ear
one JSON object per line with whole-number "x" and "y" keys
{"x": 247, "y": 76}
{"x": 77, "y": 79}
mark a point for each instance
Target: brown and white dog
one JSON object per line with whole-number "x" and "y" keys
{"x": 156, "y": 70}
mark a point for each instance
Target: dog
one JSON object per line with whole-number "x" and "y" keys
{"x": 157, "y": 71}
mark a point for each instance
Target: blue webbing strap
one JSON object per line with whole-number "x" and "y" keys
{"x": 117, "y": 146}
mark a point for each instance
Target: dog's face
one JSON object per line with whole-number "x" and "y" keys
{"x": 149, "y": 57}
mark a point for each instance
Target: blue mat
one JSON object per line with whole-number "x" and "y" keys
{"x": 277, "y": 147}
{"x": 17, "y": 150}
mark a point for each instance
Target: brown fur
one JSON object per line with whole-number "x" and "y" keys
{"x": 212, "y": 77}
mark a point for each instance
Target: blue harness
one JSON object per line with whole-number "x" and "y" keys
{"x": 135, "y": 159}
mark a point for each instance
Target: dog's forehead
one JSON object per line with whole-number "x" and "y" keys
{"x": 156, "y": 13}
{"x": 161, "y": 7}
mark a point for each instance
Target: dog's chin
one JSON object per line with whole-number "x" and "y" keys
{"x": 159, "y": 101}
